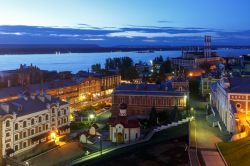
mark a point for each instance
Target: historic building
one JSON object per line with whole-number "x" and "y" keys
{"x": 77, "y": 91}
{"x": 122, "y": 129}
{"x": 28, "y": 121}
{"x": 231, "y": 98}
{"x": 142, "y": 97}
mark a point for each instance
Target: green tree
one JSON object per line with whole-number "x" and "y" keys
{"x": 153, "y": 117}
{"x": 96, "y": 68}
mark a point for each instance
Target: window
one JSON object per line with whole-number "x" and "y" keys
{"x": 53, "y": 119}
{"x": 47, "y": 117}
{"x": 24, "y": 145}
{"x": 7, "y": 123}
{"x": 40, "y": 119}
{"x": 64, "y": 111}
{"x": 53, "y": 110}
{"x": 58, "y": 122}
{"x": 7, "y": 134}
{"x": 24, "y": 134}
{"x": 47, "y": 126}
{"x": 16, "y": 126}
{"x": 16, "y": 137}
{"x": 24, "y": 124}
{"x": 32, "y": 132}
{"x": 16, "y": 147}
{"x": 238, "y": 105}
{"x": 40, "y": 129}
{"x": 136, "y": 135}
{"x": 59, "y": 113}
{"x": 32, "y": 121}
{"x": 7, "y": 146}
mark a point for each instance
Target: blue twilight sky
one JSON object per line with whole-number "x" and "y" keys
{"x": 124, "y": 22}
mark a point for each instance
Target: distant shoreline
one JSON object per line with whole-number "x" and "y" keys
{"x": 53, "y": 49}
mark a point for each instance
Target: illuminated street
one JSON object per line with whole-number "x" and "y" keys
{"x": 205, "y": 138}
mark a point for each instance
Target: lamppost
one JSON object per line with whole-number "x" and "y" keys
{"x": 100, "y": 140}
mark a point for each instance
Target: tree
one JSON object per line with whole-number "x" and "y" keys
{"x": 153, "y": 117}
{"x": 96, "y": 68}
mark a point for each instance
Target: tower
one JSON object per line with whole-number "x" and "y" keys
{"x": 207, "y": 46}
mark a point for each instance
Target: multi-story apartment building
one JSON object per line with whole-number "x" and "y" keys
{"x": 231, "y": 98}
{"x": 28, "y": 121}
{"x": 140, "y": 98}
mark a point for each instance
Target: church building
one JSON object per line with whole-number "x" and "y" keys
{"x": 123, "y": 130}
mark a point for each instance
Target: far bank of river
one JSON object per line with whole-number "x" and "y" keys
{"x": 83, "y": 61}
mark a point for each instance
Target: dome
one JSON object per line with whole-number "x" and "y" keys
{"x": 123, "y": 106}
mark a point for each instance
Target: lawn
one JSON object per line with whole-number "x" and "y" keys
{"x": 237, "y": 152}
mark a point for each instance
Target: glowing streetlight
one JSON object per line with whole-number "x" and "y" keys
{"x": 91, "y": 116}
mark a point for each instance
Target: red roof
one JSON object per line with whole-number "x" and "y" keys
{"x": 124, "y": 121}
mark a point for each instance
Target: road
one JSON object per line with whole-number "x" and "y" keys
{"x": 203, "y": 139}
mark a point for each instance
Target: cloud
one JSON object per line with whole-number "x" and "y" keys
{"x": 64, "y": 35}
{"x": 133, "y": 34}
{"x": 164, "y": 21}
{"x": 94, "y": 39}
{"x": 127, "y": 35}
{"x": 12, "y": 33}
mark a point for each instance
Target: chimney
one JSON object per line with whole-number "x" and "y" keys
{"x": 5, "y": 107}
{"x": 33, "y": 97}
{"x": 49, "y": 97}
{"x": 9, "y": 83}
{"x": 41, "y": 98}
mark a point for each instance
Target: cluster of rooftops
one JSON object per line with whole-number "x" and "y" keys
{"x": 28, "y": 104}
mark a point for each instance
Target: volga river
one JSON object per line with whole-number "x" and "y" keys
{"x": 83, "y": 61}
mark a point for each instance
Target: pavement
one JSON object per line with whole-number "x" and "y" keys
{"x": 203, "y": 140}
{"x": 58, "y": 156}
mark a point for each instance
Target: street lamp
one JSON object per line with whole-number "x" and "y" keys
{"x": 100, "y": 140}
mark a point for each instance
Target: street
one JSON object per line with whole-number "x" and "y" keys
{"x": 203, "y": 139}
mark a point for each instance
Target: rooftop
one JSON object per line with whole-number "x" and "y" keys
{"x": 147, "y": 89}
{"x": 27, "y": 105}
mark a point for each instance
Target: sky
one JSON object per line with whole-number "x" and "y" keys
{"x": 120, "y": 22}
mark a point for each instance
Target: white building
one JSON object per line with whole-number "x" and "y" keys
{"x": 28, "y": 121}
{"x": 231, "y": 98}
{"x": 123, "y": 130}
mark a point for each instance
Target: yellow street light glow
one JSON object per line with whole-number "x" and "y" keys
{"x": 53, "y": 136}
{"x": 91, "y": 116}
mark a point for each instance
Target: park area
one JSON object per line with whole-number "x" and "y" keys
{"x": 236, "y": 151}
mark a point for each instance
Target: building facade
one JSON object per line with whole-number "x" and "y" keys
{"x": 28, "y": 121}
{"x": 122, "y": 129}
{"x": 78, "y": 92}
{"x": 231, "y": 97}
{"x": 142, "y": 97}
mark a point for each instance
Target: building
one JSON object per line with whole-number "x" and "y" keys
{"x": 206, "y": 81}
{"x": 122, "y": 129}
{"x": 28, "y": 121}
{"x": 142, "y": 97}
{"x": 195, "y": 58}
{"x": 231, "y": 98}
{"x": 78, "y": 91}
